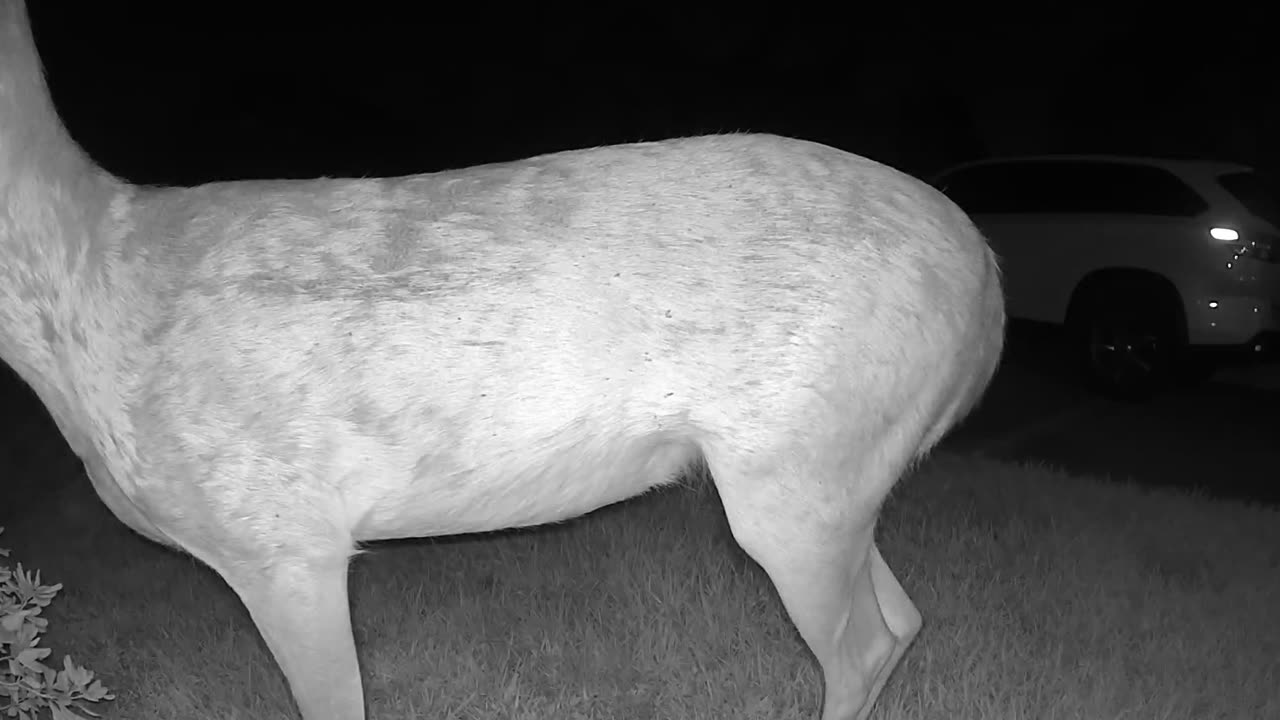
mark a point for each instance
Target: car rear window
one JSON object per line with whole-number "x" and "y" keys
{"x": 1260, "y": 194}
{"x": 1072, "y": 187}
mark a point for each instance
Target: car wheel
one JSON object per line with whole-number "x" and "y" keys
{"x": 1128, "y": 342}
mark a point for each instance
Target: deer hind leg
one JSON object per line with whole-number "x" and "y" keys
{"x": 812, "y": 530}
{"x": 900, "y": 615}
{"x": 300, "y": 607}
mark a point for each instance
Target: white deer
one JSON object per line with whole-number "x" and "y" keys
{"x": 266, "y": 374}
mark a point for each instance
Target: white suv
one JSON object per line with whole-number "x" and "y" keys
{"x": 1149, "y": 263}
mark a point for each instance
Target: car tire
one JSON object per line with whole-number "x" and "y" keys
{"x": 1128, "y": 340}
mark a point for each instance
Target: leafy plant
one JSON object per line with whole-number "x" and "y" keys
{"x": 26, "y": 683}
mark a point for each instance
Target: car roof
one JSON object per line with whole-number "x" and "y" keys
{"x": 1179, "y": 166}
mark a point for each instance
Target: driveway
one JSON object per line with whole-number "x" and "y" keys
{"x": 1221, "y": 437}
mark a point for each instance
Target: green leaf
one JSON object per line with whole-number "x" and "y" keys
{"x": 57, "y": 681}
{"x": 32, "y": 656}
{"x": 14, "y": 621}
{"x": 78, "y": 675}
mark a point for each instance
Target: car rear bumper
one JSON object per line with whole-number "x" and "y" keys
{"x": 1231, "y": 321}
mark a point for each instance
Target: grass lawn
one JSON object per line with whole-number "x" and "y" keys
{"x": 1044, "y": 596}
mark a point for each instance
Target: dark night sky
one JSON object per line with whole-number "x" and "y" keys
{"x": 221, "y": 94}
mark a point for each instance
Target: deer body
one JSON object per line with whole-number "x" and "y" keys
{"x": 265, "y": 374}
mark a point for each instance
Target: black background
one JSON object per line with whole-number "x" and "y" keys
{"x": 193, "y": 93}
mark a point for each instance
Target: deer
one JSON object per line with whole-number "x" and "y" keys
{"x": 266, "y": 375}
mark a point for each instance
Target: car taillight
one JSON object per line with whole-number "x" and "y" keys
{"x": 1255, "y": 246}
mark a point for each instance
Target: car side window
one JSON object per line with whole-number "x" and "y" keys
{"x": 985, "y": 189}
{"x": 1071, "y": 187}
{"x": 1144, "y": 190}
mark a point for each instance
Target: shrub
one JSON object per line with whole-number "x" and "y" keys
{"x": 26, "y": 683}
